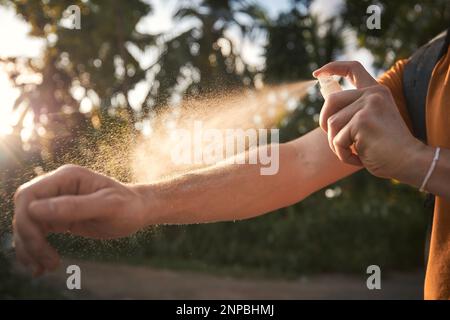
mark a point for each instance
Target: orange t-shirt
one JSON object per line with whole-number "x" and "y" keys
{"x": 437, "y": 279}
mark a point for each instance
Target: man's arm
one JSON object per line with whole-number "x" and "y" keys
{"x": 86, "y": 203}
{"x": 238, "y": 191}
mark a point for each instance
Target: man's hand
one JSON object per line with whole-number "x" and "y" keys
{"x": 76, "y": 200}
{"x": 367, "y": 121}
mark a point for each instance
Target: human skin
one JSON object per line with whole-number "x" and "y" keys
{"x": 82, "y": 202}
{"x": 364, "y": 127}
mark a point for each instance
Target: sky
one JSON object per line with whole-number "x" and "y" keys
{"x": 15, "y": 42}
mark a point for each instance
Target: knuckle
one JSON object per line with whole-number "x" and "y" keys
{"x": 65, "y": 205}
{"x": 34, "y": 216}
{"x": 371, "y": 90}
{"x": 20, "y": 193}
{"x": 332, "y": 121}
{"x": 378, "y": 90}
{"x": 332, "y": 97}
{"x": 383, "y": 89}
{"x": 68, "y": 205}
{"x": 337, "y": 141}
{"x": 71, "y": 169}
{"x": 118, "y": 202}
{"x": 356, "y": 64}
{"x": 375, "y": 99}
{"x": 362, "y": 118}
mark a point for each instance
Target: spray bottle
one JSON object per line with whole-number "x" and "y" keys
{"x": 328, "y": 85}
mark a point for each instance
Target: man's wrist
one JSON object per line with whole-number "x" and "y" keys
{"x": 153, "y": 210}
{"x": 417, "y": 160}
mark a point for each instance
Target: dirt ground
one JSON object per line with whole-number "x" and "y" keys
{"x": 113, "y": 281}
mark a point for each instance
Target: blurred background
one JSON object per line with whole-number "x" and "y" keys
{"x": 73, "y": 96}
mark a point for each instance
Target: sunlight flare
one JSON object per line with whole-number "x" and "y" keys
{"x": 8, "y": 95}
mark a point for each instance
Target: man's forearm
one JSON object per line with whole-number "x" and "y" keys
{"x": 226, "y": 191}
{"x": 231, "y": 191}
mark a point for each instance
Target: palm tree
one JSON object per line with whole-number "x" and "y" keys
{"x": 204, "y": 58}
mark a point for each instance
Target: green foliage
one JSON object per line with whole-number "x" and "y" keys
{"x": 95, "y": 60}
{"x": 207, "y": 57}
{"x": 297, "y": 36}
{"x": 405, "y": 26}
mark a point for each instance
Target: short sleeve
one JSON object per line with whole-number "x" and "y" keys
{"x": 393, "y": 79}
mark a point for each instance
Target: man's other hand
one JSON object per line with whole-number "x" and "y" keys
{"x": 76, "y": 200}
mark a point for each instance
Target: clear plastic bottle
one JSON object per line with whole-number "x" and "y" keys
{"x": 328, "y": 85}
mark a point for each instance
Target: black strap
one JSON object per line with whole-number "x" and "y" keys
{"x": 446, "y": 44}
{"x": 416, "y": 78}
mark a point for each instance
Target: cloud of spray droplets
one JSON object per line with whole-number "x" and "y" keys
{"x": 255, "y": 109}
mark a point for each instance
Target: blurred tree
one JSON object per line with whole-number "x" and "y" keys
{"x": 80, "y": 71}
{"x": 405, "y": 26}
{"x": 86, "y": 75}
{"x": 297, "y": 45}
{"x": 205, "y": 58}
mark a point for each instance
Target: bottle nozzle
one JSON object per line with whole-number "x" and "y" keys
{"x": 328, "y": 85}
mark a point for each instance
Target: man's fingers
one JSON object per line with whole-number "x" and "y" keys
{"x": 26, "y": 259}
{"x": 65, "y": 180}
{"x": 339, "y": 120}
{"x": 60, "y": 213}
{"x": 335, "y": 102}
{"x": 343, "y": 146}
{"x": 22, "y": 255}
{"x": 350, "y": 69}
{"x": 34, "y": 246}
{"x": 32, "y": 236}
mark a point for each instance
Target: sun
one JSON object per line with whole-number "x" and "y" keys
{"x": 8, "y": 94}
